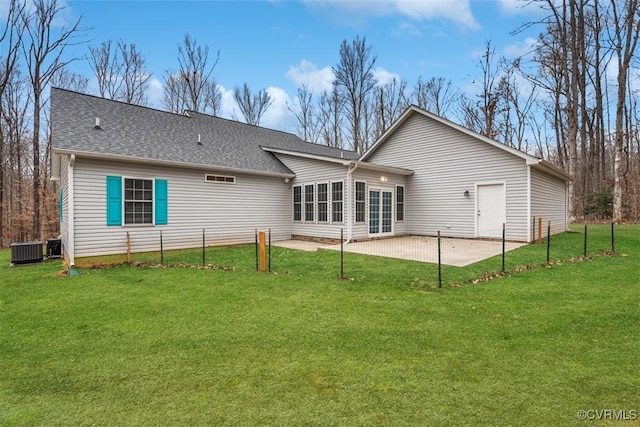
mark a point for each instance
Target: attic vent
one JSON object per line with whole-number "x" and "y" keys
{"x": 220, "y": 178}
{"x": 97, "y": 125}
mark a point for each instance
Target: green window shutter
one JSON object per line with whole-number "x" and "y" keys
{"x": 162, "y": 202}
{"x": 114, "y": 200}
{"x": 60, "y": 205}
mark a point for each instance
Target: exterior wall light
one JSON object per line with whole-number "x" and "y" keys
{"x": 383, "y": 178}
{"x": 466, "y": 193}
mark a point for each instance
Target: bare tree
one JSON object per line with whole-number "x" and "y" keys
{"x": 135, "y": 77}
{"x": 355, "y": 80}
{"x": 626, "y": 31}
{"x": 330, "y": 118}
{"x": 43, "y": 49}
{"x": 10, "y": 41}
{"x": 195, "y": 70}
{"x": 481, "y": 114}
{"x": 65, "y": 79}
{"x": 390, "y": 100}
{"x": 305, "y": 114}
{"x": 436, "y": 95}
{"x": 107, "y": 67}
{"x": 120, "y": 71}
{"x": 252, "y": 106}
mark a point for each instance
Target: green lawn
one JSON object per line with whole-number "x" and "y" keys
{"x": 176, "y": 346}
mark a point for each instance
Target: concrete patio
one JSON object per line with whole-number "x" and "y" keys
{"x": 456, "y": 252}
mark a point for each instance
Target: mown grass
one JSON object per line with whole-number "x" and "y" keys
{"x": 149, "y": 346}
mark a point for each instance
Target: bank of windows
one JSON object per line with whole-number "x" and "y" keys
{"x": 318, "y": 202}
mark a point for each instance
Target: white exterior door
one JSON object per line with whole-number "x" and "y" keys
{"x": 492, "y": 210}
{"x": 380, "y": 212}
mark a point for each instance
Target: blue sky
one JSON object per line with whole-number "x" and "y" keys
{"x": 279, "y": 45}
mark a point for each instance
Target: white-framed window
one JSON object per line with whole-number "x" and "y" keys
{"x": 297, "y": 203}
{"x": 309, "y": 201}
{"x": 336, "y": 201}
{"x": 323, "y": 202}
{"x": 219, "y": 178}
{"x": 138, "y": 201}
{"x": 360, "y": 201}
{"x": 400, "y": 203}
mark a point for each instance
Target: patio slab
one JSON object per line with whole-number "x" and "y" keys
{"x": 456, "y": 252}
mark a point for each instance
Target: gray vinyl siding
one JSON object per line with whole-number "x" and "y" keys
{"x": 549, "y": 201}
{"x": 229, "y": 213}
{"x": 311, "y": 171}
{"x": 64, "y": 193}
{"x": 447, "y": 163}
{"x": 360, "y": 230}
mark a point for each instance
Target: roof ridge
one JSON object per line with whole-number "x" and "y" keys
{"x": 116, "y": 101}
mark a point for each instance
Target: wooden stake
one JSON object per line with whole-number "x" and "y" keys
{"x": 539, "y": 230}
{"x": 262, "y": 243}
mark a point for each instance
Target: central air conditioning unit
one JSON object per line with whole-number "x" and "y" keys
{"x": 26, "y": 253}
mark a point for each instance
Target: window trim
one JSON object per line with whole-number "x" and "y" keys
{"x": 325, "y": 202}
{"x": 400, "y": 203}
{"x": 311, "y": 203}
{"x": 293, "y": 200}
{"x": 362, "y": 203}
{"x": 341, "y": 201}
{"x": 151, "y": 202}
{"x": 219, "y": 179}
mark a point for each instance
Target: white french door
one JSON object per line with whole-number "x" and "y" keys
{"x": 380, "y": 212}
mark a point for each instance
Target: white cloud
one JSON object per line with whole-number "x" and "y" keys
{"x": 520, "y": 48}
{"x": 307, "y": 73}
{"x": 384, "y": 76}
{"x": 228, "y": 104}
{"x": 278, "y": 115}
{"x": 458, "y": 11}
{"x": 155, "y": 92}
{"x": 407, "y": 28}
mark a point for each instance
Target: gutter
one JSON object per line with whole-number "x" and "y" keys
{"x": 70, "y": 204}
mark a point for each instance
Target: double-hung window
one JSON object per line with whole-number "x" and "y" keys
{"x": 400, "y": 203}
{"x": 323, "y": 203}
{"x": 138, "y": 201}
{"x": 309, "y": 202}
{"x": 336, "y": 202}
{"x": 297, "y": 203}
{"x": 134, "y": 201}
{"x": 360, "y": 201}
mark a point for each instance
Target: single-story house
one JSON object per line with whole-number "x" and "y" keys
{"x": 130, "y": 169}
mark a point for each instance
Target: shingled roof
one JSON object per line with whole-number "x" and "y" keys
{"x": 135, "y": 132}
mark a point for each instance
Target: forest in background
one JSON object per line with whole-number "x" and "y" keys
{"x": 572, "y": 100}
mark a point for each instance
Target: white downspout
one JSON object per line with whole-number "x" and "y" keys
{"x": 71, "y": 236}
{"x": 350, "y": 200}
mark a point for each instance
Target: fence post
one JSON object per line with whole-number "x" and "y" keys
{"x": 539, "y": 230}
{"x": 256, "y": 236}
{"x": 439, "y": 263}
{"x": 203, "y": 253}
{"x": 263, "y": 251}
{"x": 613, "y": 239}
{"x": 128, "y": 248}
{"x": 269, "y": 250}
{"x": 161, "y": 250}
{"x": 504, "y": 235}
{"x": 585, "y": 240}
{"x": 342, "y": 253}
{"x": 548, "y": 240}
